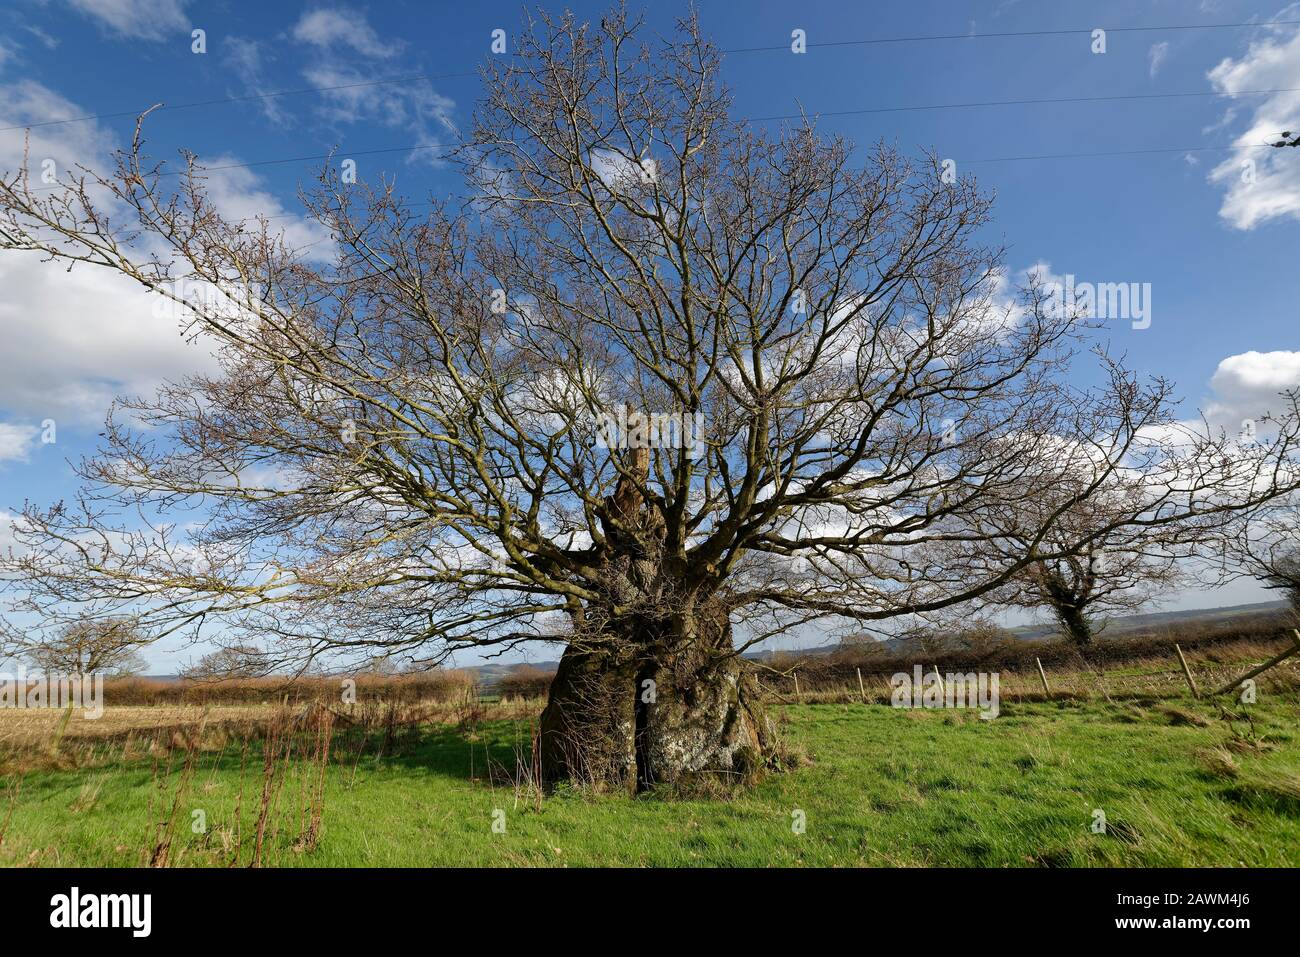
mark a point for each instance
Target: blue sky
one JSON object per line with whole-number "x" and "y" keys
{"x": 1218, "y": 251}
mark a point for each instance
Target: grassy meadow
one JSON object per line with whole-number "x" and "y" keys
{"x": 1181, "y": 781}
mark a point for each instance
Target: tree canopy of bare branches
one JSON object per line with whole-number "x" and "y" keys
{"x": 1264, "y": 543}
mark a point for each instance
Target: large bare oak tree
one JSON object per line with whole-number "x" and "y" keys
{"x": 660, "y": 385}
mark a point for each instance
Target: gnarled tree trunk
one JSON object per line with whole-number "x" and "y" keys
{"x": 644, "y": 698}
{"x": 659, "y": 700}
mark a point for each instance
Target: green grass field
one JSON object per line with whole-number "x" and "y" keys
{"x": 1179, "y": 785}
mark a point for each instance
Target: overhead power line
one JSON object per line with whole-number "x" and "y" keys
{"x": 979, "y": 104}
{"x": 346, "y": 154}
{"x": 1007, "y": 34}
{"x": 343, "y": 154}
{"x": 1035, "y": 101}
{"x": 221, "y": 101}
{"x": 1138, "y": 152}
{"x": 859, "y": 111}
{"x": 411, "y": 78}
{"x": 1151, "y": 151}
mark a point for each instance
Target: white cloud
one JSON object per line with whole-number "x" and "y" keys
{"x": 1246, "y": 386}
{"x": 1156, "y": 57}
{"x": 8, "y": 539}
{"x": 72, "y": 340}
{"x": 415, "y": 108}
{"x": 1261, "y": 184}
{"x": 239, "y": 195}
{"x": 1223, "y": 122}
{"x": 49, "y": 42}
{"x": 137, "y": 19}
{"x": 75, "y": 339}
{"x": 347, "y": 28}
{"x": 342, "y": 65}
{"x": 67, "y": 144}
{"x": 621, "y": 172}
{"x": 245, "y": 59}
{"x": 16, "y": 443}
{"x": 1004, "y": 310}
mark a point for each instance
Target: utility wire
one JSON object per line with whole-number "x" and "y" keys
{"x": 345, "y": 154}
{"x": 1139, "y": 152}
{"x": 981, "y": 104}
{"x": 1019, "y": 33}
{"x": 1152, "y": 151}
{"x": 220, "y": 101}
{"x": 767, "y": 49}
{"x": 863, "y": 111}
{"x": 858, "y": 112}
{"x": 1024, "y": 102}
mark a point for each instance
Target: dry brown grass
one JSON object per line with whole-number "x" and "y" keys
{"x": 435, "y": 685}
{"x": 38, "y": 739}
{"x": 27, "y": 731}
{"x": 21, "y": 728}
{"x": 1255, "y": 635}
{"x": 47, "y": 738}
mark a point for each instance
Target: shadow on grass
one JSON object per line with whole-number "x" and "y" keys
{"x": 441, "y": 750}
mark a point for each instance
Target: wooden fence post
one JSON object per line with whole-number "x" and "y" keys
{"x": 942, "y": 690}
{"x": 1191, "y": 682}
{"x": 1043, "y": 675}
{"x": 1276, "y": 659}
{"x": 861, "y": 688}
{"x": 796, "y": 685}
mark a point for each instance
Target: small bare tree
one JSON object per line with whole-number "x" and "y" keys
{"x": 1264, "y": 542}
{"x": 1099, "y": 560}
{"x": 110, "y": 646}
{"x": 1277, "y": 565}
{"x": 230, "y": 661}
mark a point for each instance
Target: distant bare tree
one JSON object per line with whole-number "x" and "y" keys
{"x": 963, "y": 628}
{"x": 664, "y": 385}
{"x": 1265, "y": 544}
{"x": 110, "y": 646}
{"x": 230, "y": 661}
{"x": 378, "y": 666}
{"x": 858, "y": 646}
{"x": 1101, "y": 561}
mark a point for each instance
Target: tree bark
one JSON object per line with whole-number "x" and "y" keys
{"x": 655, "y": 703}
{"x": 648, "y": 698}
{"x": 587, "y": 730}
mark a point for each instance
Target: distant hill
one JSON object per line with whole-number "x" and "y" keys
{"x": 489, "y": 675}
{"x": 1160, "y": 619}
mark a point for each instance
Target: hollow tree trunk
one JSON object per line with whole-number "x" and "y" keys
{"x": 656, "y": 702}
